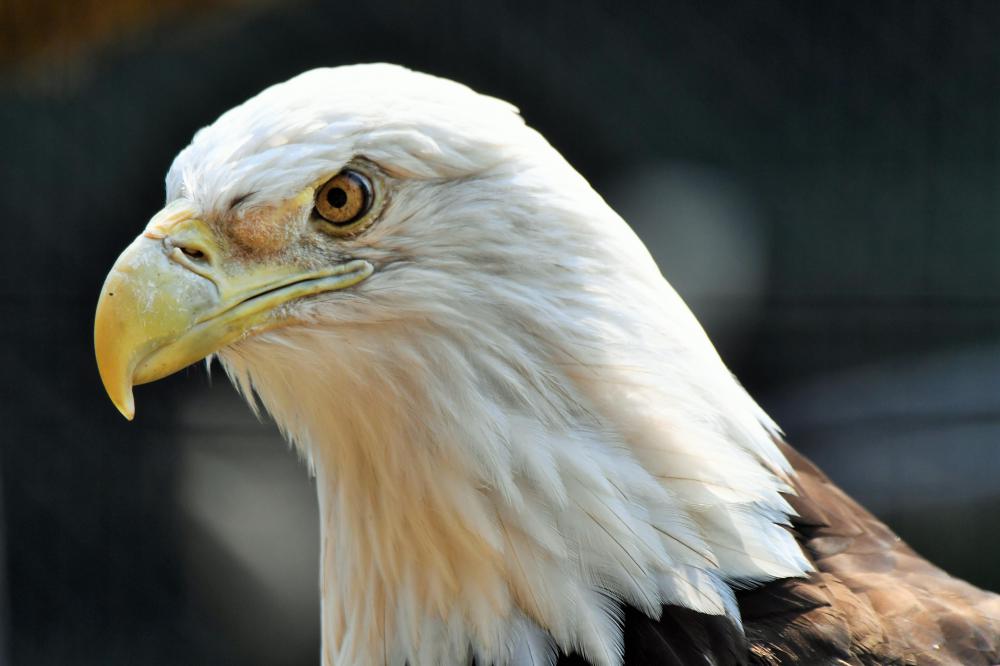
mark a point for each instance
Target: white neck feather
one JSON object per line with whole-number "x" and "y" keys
{"x": 484, "y": 506}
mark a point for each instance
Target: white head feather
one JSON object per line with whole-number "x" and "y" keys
{"x": 515, "y": 423}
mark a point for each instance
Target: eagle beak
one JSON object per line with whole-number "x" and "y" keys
{"x": 171, "y": 299}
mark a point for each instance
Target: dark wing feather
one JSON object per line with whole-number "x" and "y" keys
{"x": 875, "y": 601}
{"x": 681, "y": 637}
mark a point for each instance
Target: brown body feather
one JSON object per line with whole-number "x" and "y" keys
{"x": 871, "y": 601}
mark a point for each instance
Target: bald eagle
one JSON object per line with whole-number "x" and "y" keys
{"x": 526, "y": 449}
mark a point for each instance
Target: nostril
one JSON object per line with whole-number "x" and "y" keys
{"x": 191, "y": 250}
{"x": 187, "y": 251}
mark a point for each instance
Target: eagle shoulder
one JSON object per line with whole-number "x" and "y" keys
{"x": 871, "y": 601}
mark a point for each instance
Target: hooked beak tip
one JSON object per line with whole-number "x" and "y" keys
{"x": 126, "y": 406}
{"x": 117, "y": 382}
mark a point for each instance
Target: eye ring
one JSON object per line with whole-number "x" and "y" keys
{"x": 345, "y": 199}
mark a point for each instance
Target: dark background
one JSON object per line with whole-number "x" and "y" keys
{"x": 819, "y": 180}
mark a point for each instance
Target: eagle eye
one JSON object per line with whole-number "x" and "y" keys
{"x": 345, "y": 199}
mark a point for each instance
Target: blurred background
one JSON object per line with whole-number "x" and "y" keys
{"x": 818, "y": 180}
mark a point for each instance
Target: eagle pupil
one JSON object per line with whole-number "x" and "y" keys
{"x": 336, "y": 197}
